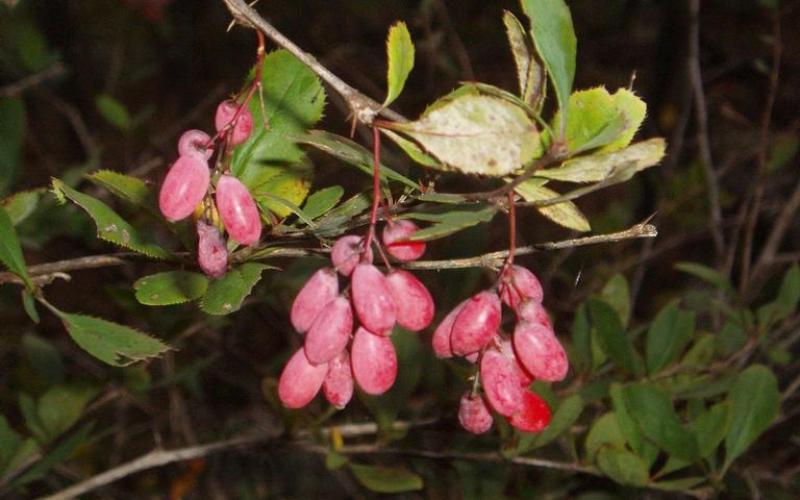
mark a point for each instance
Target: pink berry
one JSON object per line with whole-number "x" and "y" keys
{"x": 501, "y": 383}
{"x": 338, "y": 384}
{"x": 473, "y": 414}
{"x": 372, "y": 299}
{"x": 374, "y": 362}
{"x": 184, "y": 187}
{"x": 540, "y": 352}
{"x": 238, "y": 210}
{"x": 533, "y": 311}
{"x": 226, "y": 112}
{"x": 519, "y": 284}
{"x": 507, "y": 349}
{"x": 193, "y": 142}
{"x": 442, "y": 334}
{"x": 330, "y": 332}
{"x": 347, "y": 252}
{"x": 300, "y": 381}
{"x": 477, "y": 323}
{"x": 212, "y": 253}
{"x": 534, "y": 415}
{"x": 321, "y": 288}
{"x": 414, "y": 303}
{"x": 395, "y": 239}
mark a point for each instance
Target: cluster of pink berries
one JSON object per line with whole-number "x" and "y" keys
{"x": 506, "y": 367}
{"x": 327, "y": 318}
{"x": 186, "y": 189}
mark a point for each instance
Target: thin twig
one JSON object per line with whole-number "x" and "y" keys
{"x": 18, "y": 87}
{"x": 63, "y": 266}
{"x": 785, "y": 220}
{"x": 364, "y": 109}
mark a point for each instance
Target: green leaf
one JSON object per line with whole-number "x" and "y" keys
{"x": 61, "y": 406}
{"x": 171, "y": 287}
{"x": 13, "y": 123}
{"x": 564, "y": 417}
{"x": 477, "y": 134}
{"x": 605, "y": 431}
{"x": 652, "y": 409}
{"x": 593, "y": 120}
{"x": 450, "y": 219}
{"x": 386, "y": 479}
{"x": 400, "y": 52}
{"x": 11, "y": 251}
{"x": 110, "y": 226}
{"x": 530, "y": 75}
{"x": 617, "y": 294}
{"x": 20, "y": 206}
{"x": 634, "y": 109}
{"x": 111, "y": 343}
{"x": 27, "y": 408}
{"x": 29, "y": 305}
{"x": 44, "y": 358}
{"x": 565, "y": 213}
{"x": 604, "y": 166}
{"x": 322, "y": 201}
{"x": 678, "y": 485}
{"x": 113, "y": 111}
{"x": 554, "y": 37}
{"x": 612, "y": 336}
{"x": 786, "y": 301}
{"x": 709, "y": 429}
{"x": 755, "y": 402}
{"x": 784, "y": 149}
{"x": 10, "y": 440}
{"x": 27, "y": 452}
{"x": 62, "y": 451}
{"x": 413, "y": 151}
{"x": 352, "y": 153}
{"x": 226, "y": 294}
{"x": 668, "y": 335}
{"x": 581, "y": 352}
{"x": 125, "y": 187}
{"x": 270, "y": 160}
{"x": 706, "y": 274}
{"x": 628, "y": 426}
{"x": 335, "y": 221}
{"x": 623, "y": 466}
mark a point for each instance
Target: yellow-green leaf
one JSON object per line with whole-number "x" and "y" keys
{"x": 226, "y": 294}
{"x": 400, "y": 52}
{"x": 530, "y": 74}
{"x": 564, "y": 213}
{"x": 10, "y": 249}
{"x": 386, "y": 479}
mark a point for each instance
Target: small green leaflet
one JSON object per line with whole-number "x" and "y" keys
{"x": 11, "y": 251}
{"x": 110, "y": 226}
{"x": 612, "y": 337}
{"x": 450, "y": 219}
{"x": 400, "y": 53}
{"x": 111, "y": 343}
{"x": 477, "y": 134}
{"x": 386, "y": 479}
{"x": 128, "y": 188}
{"x": 19, "y": 206}
{"x": 667, "y": 337}
{"x": 226, "y": 294}
{"x": 623, "y": 466}
{"x": 113, "y": 111}
{"x": 413, "y": 151}
{"x": 554, "y": 37}
{"x": 322, "y": 201}
{"x": 755, "y": 402}
{"x": 530, "y": 75}
{"x": 565, "y": 213}
{"x": 170, "y": 287}
{"x": 605, "y": 431}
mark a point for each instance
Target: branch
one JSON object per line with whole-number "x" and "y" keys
{"x": 56, "y": 269}
{"x": 364, "y": 109}
{"x": 18, "y": 87}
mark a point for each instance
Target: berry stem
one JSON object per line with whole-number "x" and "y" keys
{"x": 376, "y": 185}
{"x": 512, "y": 229}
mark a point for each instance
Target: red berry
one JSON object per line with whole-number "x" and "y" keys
{"x": 238, "y": 210}
{"x": 338, "y": 384}
{"x": 533, "y": 311}
{"x": 372, "y": 299}
{"x": 347, "y": 252}
{"x": 374, "y": 362}
{"x": 212, "y": 253}
{"x": 473, "y": 414}
{"x": 534, "y": 415}
{"x": 395, "y": 239}
{"x": 442, "y": 334}
{"x": 477, "y": 323}
{"x": 507, "y": 349}
{"x": 226, "y": 112}
{"x": 321, "y": 288}
{"x": 501, "y": 383}
{"x": 518, "y": 284}
{"x": 414, "y": 303}
{"x": 184, "y": 187}
{"x": 300, "y": 381}
{"x": 193, "y": 142}
{"x": 540, "y": 352}
{"x": 330, "y": 332}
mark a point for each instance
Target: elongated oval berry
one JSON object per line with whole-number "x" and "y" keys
{"x": 518, "y": 284}
{"x": 347, "y": 253}
{"x": 395, "y": 239}
{"x": 443, "y": 332}
{"x": 412, "y": 299}
{"x": 533, "y": 311}
{"x": 193, "y": 142}
{"x": 540, "y": 352}
{"x": 501, "y": 383}
{"x": 372, "y": 299}
{"x": 330, "y": 332}
{"x": 534, "y": 415}
{"x": 374, "y": 362}
{"x": 300, "y": 381}
{"x": 321, "y": 288}
{"x": 184, "y": 187}
{"x": 477, "y": 323}
{"x": 226, "y": 112}
{"x": 507, "y": 348}
{"x": 338, "y": 383}
{"x": 212, "y": 252}
{"x": 238, "y": 210}
{"x": 473, "y": 414}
